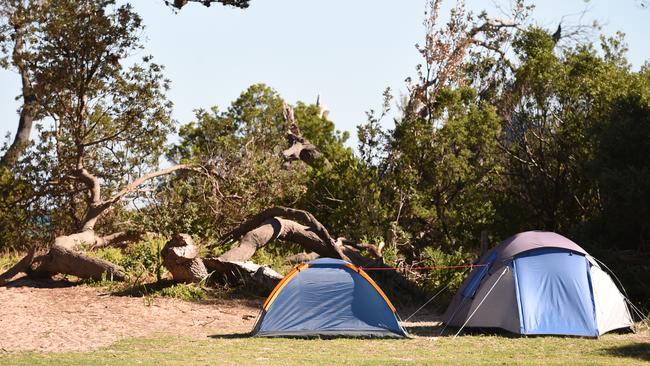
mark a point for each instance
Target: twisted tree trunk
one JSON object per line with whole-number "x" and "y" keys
{"x": 277, "y": 223}
{"x": 296, "y": 226}
{"x": 64, "y": 257}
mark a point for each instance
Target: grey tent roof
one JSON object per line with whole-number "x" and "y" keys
{"x": 530, "y": 240}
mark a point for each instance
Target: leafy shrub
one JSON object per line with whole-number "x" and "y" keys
{"x": 144, "y": 257}
{"x": 182, "y": 291}
{"x": 434, "y": 280}
{"x": 9, "y": 259}
{"x": 275, "y": 256}
{"x": 141, "y": 260}
{"x": 113, "y": 255}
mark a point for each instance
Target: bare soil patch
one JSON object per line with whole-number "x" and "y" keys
{"x": 56, "y": 316}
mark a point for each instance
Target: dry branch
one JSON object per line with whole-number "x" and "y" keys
{"x": 296, "y": 226}
{"x": 236, "y": 273}
{"x": 302, "y": 257}
{"x": 299, "y": 147}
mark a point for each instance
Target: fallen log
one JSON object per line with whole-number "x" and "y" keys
{"x": 181, "y": 258}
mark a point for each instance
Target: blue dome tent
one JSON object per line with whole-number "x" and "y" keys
{"x": 539, "y": 283}
{"x": 328, "y": 297}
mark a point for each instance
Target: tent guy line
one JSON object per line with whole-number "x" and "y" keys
{"x": 420, "y": 268}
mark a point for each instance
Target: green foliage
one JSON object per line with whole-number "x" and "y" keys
{"x": 93, "y": 111}
{"x": 576, "y": 143}
{"x": 437, "y": 177}
{"x": 435, "y": 280}
{"x": 275, "y": 256}
{"x": 144, "y": 257}
{"x": 542, "y": 137}
{"x": 187, "y": 292}
{"x": 240, "y": 147}
{"x": 19, "y": 224}
{"x": 622, "y": 170}
{"x": 114, "y": 255}
{"x": 8, "y": 259}
{"x": 142, "y": 260}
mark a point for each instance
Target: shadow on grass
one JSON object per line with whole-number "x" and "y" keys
{"x": 639, "y": 351}
{"x": 322, "y": 337}
{"x": 231, "y": 336}
{"x": 439, "y": 330}
{"x": 424, "y": 330}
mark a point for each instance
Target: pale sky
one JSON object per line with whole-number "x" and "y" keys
{"x": 348, "y": 51}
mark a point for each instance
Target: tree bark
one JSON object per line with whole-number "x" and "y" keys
{"x": 302, "y": 257}
{"x": 238, "y": 273}
{"x": 64, "y": 257}
{"x": 301, "y": 227}
{"x": 299, "y": 147}
{"x": 287, "y": 224}
{"x": 25, "y": 122}
{"x": 277, "y": 223}
{"x": 181, "y": 257}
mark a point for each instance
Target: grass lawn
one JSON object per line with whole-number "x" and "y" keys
{"x": 240, "y": 350}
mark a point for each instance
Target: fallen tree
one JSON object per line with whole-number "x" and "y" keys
{"x": 281, "y": 224}
{"x": 180, "y": 254}
{"x": 109, "y": 121}
{"x": 64, "y": 256}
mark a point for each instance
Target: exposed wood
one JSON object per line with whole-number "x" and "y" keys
{"x": 374, "y": 250}
{"x": 277, "y": 223}
{"x": 21, "y": 266}
{"x": 292, "y": 225}
{"x": 445, "y": 52}
{"x": 181, "y": 257}
{"x": 302, "y": 257}
{"x": 65, "y": 258}
{"x": 299, "y": 147}
{"x": 120, "y": 239}
{"x": 237, "y": 273}
{"x": 302, "y": 228}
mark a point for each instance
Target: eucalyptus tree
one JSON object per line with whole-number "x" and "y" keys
{"x": 103, "y": 121}
{"x": 436, "y": 166}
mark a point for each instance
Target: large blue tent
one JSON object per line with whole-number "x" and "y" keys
{"x": 328, "y": 297}
{"x": 539, "y": 283}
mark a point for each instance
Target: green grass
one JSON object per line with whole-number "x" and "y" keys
{"x": 241, "y": 350}
{"x": 8, "y": 259}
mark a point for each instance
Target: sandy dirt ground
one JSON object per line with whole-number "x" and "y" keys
{"x": 51, "y": 316}
{"x": 56, "y": 316}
